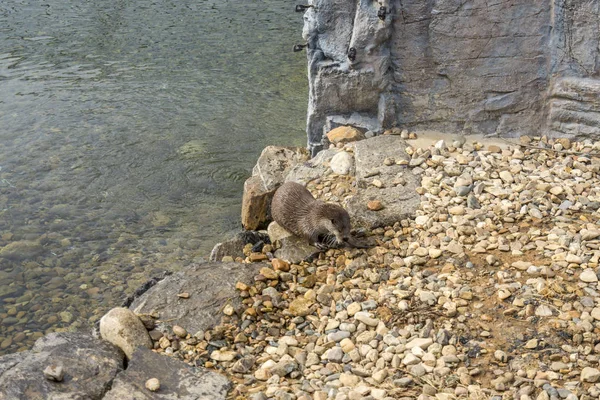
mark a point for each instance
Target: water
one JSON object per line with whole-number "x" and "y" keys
{"x": 127, "y": 129}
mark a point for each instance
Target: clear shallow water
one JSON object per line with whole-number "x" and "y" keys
{"x": 127, "y": 129}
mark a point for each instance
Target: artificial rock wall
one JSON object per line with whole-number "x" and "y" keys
{"x": 493, "y": 67}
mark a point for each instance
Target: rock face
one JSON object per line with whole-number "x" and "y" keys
{"x": 473, "y": 67}
{"x": 210, "y": 286}
{"x": 575, "y": 108}
{"x": 89, "y": 365}
{"x": 125, "y": 330}
{"x": 268, "y": 173}
{"x": 177, "y": 380}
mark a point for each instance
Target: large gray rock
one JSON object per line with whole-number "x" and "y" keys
{"x": 177, "y": 380}
{"x": 458, "y": 66}
{"x": 268, "y": 173}
{"x": 89, "y": 365}
{"x": 210, "y": 286}
{"x": 399, "y": 201}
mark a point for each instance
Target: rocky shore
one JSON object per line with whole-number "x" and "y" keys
{"x": 481, "y": 283}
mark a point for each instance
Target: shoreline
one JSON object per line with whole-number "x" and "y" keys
{"x": 420, "y": 305}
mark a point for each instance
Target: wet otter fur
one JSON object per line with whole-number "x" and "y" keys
{"x": 324, "y": 225}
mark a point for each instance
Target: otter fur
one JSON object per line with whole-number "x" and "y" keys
{"x": 324, "y": 225}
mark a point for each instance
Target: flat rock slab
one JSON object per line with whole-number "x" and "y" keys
{"x": 89, "y": 366}
{"x": 177, "y": 380}
{"x": 210, "y": 286}
{"x": 399, "y": 201}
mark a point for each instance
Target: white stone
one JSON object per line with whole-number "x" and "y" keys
{"x": 588, "y": 275}
{"x": 543, "y": 311}
{"x": 521, "y": 265}
{"x": 342, "y": 163}
{"x": 378, "y": 394}
{"x": 366, "y": 318}
{"x": 589, "y": 234}
{"x": 423, "y": 343}
{"x": 347, "y": 379}
{"x": 589, "y": 374}
{"x": 506, "y": 177}
{"x": 353, "y": 308}
{"x": 224, "y": 355}
{"x": 435, "y": 253}
{"x": 410, "y": 359}
{"x": 421, "y": 220}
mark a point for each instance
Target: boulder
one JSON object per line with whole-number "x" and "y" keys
{"x": 89, "y": 366}
{"x": 121, "y": 327}
{"x": 177, "y": 380}
{"x": 268, "y": 173}
{"x": 210, "y": 286}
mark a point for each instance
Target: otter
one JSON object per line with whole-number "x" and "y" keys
{"x": 324, "y": 225}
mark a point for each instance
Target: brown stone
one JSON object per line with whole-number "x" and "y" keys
{"x": 375, "y": 205}
{"x": 566, "y": 143}
{"x": 344, "y": 134}
{"x": 492, "y": 148}
{"x": 280, "y": 265}
{"x": 300, "y": 307}
{"x": 255, "y": 257}
{"x": 268, "y": 273}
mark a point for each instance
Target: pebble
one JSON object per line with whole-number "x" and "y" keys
{"x": 589, "y": 374}
{"x": 588, "y": 275}
{"x": 366, "y": 318}
{"x": 179, "y": 331}
{"x": 54, "y": 373}
{"x": 375, "y": 205}
{"x": 153, "y": 384}
{"x": 543, "y": 311}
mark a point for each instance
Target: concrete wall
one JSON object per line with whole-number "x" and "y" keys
{"x": 506, "y": 68}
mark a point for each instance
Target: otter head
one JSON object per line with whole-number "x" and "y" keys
{"x": 336, "y": 220}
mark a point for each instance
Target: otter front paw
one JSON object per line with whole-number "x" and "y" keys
{"x": 321, "y": 246}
